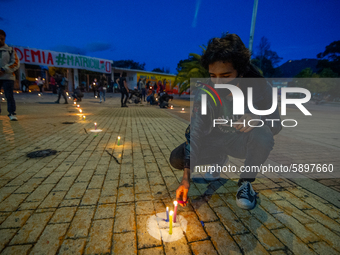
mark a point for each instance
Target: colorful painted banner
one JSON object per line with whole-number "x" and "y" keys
{"x": 158, "y": 77}
{"x": 61, "y": 59}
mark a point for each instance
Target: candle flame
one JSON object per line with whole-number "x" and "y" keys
{"x": 182, "y": 109}
{"x": 118, "y": 137}
{"x": 95, "y": 123}
{"x": 175, "y": 203}
{"x": 171, "y": 213}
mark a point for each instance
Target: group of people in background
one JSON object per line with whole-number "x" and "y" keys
{"x": 99, "y": 88}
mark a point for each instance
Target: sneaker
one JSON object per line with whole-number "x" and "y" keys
{"x": 125, "y": 105}
{"x": 100, "y": 101}
{"x": 246, "y": 196}
{"x": 13, "y": 117}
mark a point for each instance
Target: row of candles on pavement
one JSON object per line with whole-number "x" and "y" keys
{"x": 171, "y": 217}
{"x": 80, "y": 110}
{"x": 95, "y": 124}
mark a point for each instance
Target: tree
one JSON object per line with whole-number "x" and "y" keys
{"x": 305, "y": 73}
{"x": 161, "y": 70}
{"x": 129, "y": 64}
{"x": 190, "y": 68}
{"x": 266, "y": 59}
{"x": 323, "y": 86}
{"x": 330, "y": 58}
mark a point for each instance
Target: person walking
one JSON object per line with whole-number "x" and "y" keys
{"x": 40, "y": 84}
{"x": 9, "y": 63}
{"x": 102, "y": 87}
{"x": 61, "y": 84}
{"x": 123, "y": 89}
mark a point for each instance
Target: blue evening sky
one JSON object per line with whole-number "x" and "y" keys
{"x": 160, "y": 33}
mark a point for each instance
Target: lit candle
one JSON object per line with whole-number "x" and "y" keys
{"x": 175, "y": 210}
{"x": 80, "y": 111}
{"x": 74, "y": 103}
{"x": 171, "y": 107}
{"x": 118, "y": 140}
{"x": 78, "y": 105}
{"x": 167, "y": 214}
{"x": 95, "y": 126}
{"x": 95, "y": 96}
{"x": 170, "y": 227}
{"x": 84, "y": 117}
{"x": 69, "y": 97}
{"x": 182, "y": 109}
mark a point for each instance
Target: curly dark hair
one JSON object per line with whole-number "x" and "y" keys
{"x": 2, "y": 32}
{"x": 229, "y": 48}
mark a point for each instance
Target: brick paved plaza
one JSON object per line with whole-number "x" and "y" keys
{"x": 81, "y": 201}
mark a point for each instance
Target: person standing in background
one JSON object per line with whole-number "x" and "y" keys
{"x": 95, "y": 88}
{"x": 123, "y": 89}
{"x": 53, "y": 86}
{"x": 9, "y": 63}
{"x": 142, "y": 88}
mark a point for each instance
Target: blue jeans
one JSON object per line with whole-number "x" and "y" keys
{"x": 102, "y": 94}
{"x": 143, "y": 94}
{"x": 8, "y": 86}
{"x": 253, "y": 146}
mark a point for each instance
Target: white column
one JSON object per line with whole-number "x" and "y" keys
{"x": 22, "y": 74}
{"x": 70, "y": 79}
{"x": 75, "y": 78}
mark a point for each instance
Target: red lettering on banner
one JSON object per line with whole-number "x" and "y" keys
{"x": 43, "y": 54}
{"x": 108, "y": 67}
{"x": 26, "y": 56}
{"x": 19, "y": 51}
{"x": 50, "y": 59}
{"x": 36, "y": 53}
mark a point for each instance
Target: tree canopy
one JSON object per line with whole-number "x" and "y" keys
{"x": 330, "y": 58}
{"x": 190, "y": 68}
{"x": 130, "y": 64}
{"x": 266, "y": 59}
{"x": 161, "y": 70}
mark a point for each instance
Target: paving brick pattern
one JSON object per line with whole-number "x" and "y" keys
{"x": 81, "y": 201}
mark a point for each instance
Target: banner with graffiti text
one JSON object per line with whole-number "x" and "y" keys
{"x": 61, "y": 59}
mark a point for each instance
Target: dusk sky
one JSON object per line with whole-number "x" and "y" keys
{"x": 160, "y": 33}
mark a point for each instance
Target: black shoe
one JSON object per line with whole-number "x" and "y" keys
{"x": 246, "y": 196}
{"x": 57, "y": 102}
{"x": 66, "y": 103}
